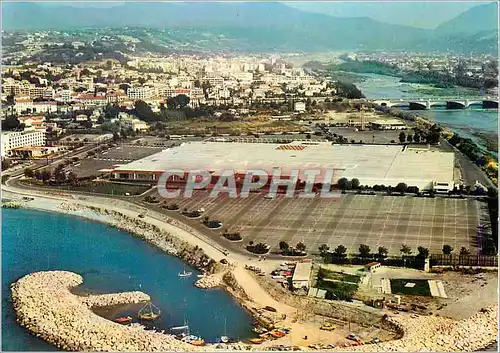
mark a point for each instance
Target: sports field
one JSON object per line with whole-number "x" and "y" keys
{"x": 350, "y": 220}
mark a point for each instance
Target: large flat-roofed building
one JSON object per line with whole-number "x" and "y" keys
{"x": 388, "y": 124}
{"x": 301, "y": 275}
{"x": 371, "y": 164}
{"x": 16, "y": 139}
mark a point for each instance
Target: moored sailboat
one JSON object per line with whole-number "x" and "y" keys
{"x": 184, "y": 273}
{"x": 148, "y": 312}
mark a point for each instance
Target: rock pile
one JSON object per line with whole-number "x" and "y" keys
{"x": 208, "y": 282}
{"x": 45, "y": 306}
{"x": 439, "y": 334}
{"x": 115, "y": 299}
{"x": 67, "y": 206}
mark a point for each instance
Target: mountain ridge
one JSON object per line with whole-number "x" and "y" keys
{"x": 263, "y": 24}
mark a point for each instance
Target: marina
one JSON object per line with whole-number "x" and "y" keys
{"x": 108, "y": 267}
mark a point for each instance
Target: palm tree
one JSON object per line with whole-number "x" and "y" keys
{"x": 382, "y": 251}
{"x": 405, "y": 249}
{"x": 323, "y": 249}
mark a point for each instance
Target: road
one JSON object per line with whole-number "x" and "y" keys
{"x": 469, "y": 170}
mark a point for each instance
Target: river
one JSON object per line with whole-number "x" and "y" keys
{"x": 110, "y": 261}
{"x": 481, "y": 125}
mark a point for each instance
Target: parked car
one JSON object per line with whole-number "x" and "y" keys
{"x": 327, "y": 326}
{"x": 353, "y": 337}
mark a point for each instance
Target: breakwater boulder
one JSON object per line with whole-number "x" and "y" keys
{"x": 208, "y": 282}
{"x": 45, "y": 306}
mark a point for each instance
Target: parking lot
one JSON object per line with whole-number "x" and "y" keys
{"x": 122, "y": 154}
{"x": 350, "y": 220}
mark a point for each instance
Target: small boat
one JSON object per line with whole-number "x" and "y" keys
{"x": 259, "y": 330}
{"x": 184, "y": 273}
{"x": 198, "y": 342}
{"x": 200, "y": 276}
{"x": 145, "y": 314}
{"x": 278, "y": 334}
{"x": 225, "y": 338}
{"x": 256, "y": 340}
{"x": 124, "y": 320}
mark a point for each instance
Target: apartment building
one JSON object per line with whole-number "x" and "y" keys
{"x": 17, "y": 139}
{"x": 139, "y": 93}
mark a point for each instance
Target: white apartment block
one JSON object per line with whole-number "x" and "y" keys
{"x": 66, "y": 95}
{"x": 139, "y": 93}
{"x": 300, "y": 107}
{"x": 24, "y": 105}
{"x": 243, "y": 76}
{"x": 17, "y": 88}
{"x": 16, "y": 139}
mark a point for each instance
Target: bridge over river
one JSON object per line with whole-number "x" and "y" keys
{"x": 449, "y": 103}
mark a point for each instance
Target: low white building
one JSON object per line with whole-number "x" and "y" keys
{"x": 16, "y": 139}
{"x": 299, "y": 107}
{"x": 301, "y": 275}
{"x": 388, "y": 124}
{"x": 136, "y": 124}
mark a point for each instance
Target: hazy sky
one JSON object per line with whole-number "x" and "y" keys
{"x": 423, "y": 14}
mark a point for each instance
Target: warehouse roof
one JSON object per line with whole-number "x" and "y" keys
{"x": 302, "y": 271}
{"x": 371, "y": 164}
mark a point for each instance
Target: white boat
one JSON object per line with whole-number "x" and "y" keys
{"x": 185, "y": 274}
{"x": 225, "y": 338}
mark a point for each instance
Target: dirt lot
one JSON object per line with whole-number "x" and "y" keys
{"x": 244, "y": 125}
{"x": 349, "y": 220}
{"x": 369, "y": 136}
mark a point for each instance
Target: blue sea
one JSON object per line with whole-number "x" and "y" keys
{"x": 110, "y": 261}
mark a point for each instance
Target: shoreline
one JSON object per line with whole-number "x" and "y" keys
{"x": 234, "y": 279}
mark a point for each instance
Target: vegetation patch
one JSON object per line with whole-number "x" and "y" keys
{"x": 287, "y": 250}
{"x": 212, "y": 224}
{"x": 172, "y": 207}
{"x": 232, "y": 236}
{"x": 339, "y": 276}
{"x": 336, "y": 284}
{"x": 95, "y": 187}
{"x": 191, "y": 214}
{"x": 421, "y": 287}
{"x": 259, "y": 248}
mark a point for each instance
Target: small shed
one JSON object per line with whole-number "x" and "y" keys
{"x": 372, "y": 266}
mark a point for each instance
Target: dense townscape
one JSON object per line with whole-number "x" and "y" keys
{"x": 331, "y": 192}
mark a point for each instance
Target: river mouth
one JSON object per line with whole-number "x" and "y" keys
{"x": 481, "y": 125}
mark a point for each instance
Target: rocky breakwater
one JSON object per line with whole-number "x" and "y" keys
{"x": 46, "y": 307}
{"x": 207, "y": 282}
{"x": 438, "y": 334}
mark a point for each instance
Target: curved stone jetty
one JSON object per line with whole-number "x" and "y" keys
{"x": 46, "y": 307}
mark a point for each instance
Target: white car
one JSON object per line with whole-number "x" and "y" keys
{"x": 269, "y": 196}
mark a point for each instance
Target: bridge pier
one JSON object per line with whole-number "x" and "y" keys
{"x": 490, "y": 104}
{"x": 419, "y": 105}
{"x": 455, "y": 105}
